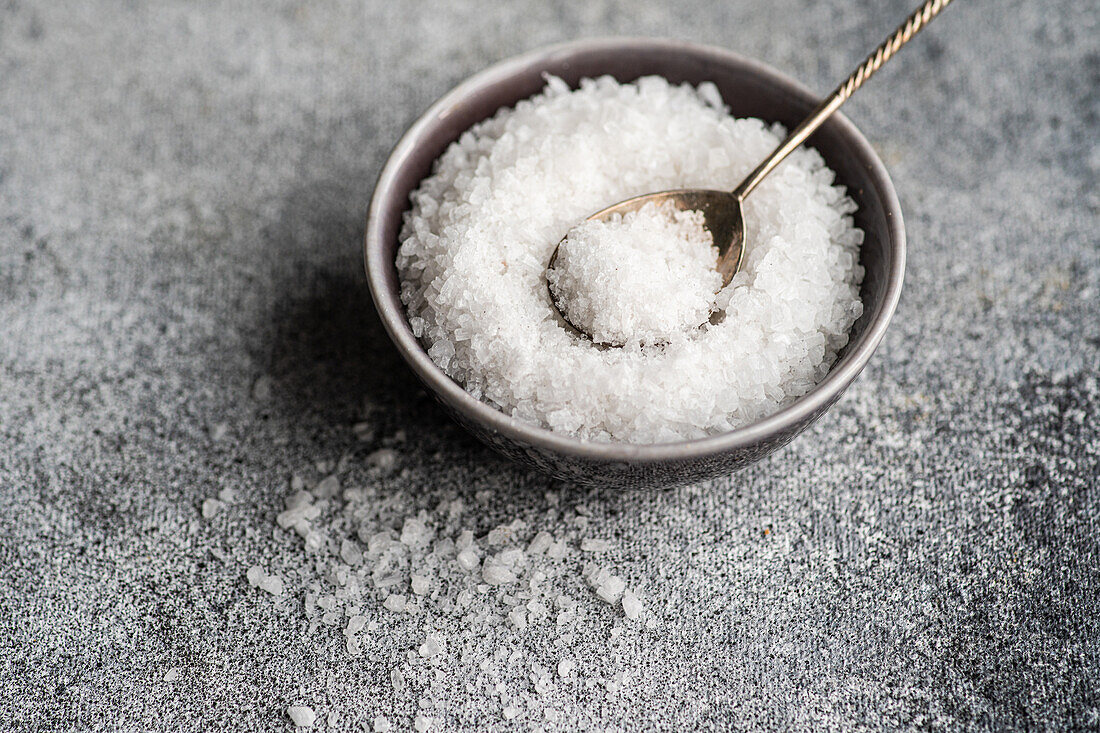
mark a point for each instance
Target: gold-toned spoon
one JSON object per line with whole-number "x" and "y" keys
{"x": 723, "y": 215}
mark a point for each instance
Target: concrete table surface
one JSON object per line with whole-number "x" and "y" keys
{"x": 183, "y": 189}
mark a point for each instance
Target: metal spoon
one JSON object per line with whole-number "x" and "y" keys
{"x": 722, "y": 211}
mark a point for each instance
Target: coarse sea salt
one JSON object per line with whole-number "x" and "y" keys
{"x": 302, "y": 715}
{"x": 637, "y": 278}
{"x": 384, "y": 579}
{"x": 476, "y": 243}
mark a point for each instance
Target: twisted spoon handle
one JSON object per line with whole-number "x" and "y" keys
{"x": 866, "y": 70}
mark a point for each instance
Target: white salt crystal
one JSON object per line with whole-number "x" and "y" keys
{"x": 611, "y": 589}
{"x": 302, "y": 715}
{"x": 227, "y": 496}
{"x": 395, "y": 603}
{"x": 496, "y": 574}
{"x": 540, "y": 543}
{"x": 378, "y": 542}
{"x": 415, "y": 533}
{"x": 518, "y": 617}
{"x": 632, "y": 606}
{"x": 420, "y": 584}
{"x": 422, "y": 723}
{"x": 467, "y": 559}
{"x": 397, "y": 680}
{"x": 327, "y": 488}
{"x": 172, "y": 675}
{"x": 556, "y": 550}
{"x": 355, "y": 625}
{"x": 300, "y": 499}
{"x": 258, "y": 578}
{"x": 314, "y": 540}
{"x": 211, "y": 507}
{"x": 219, "y": 431}
{"x": 381, "y": 725}
{"x": 509, "y": 712}
{"x": 431, "y": 647}
{"x": 566, "y": 667}
{"x": 261, "y": 389}
{"x": 350, "y": 553}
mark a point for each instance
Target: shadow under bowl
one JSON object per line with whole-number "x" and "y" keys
{"x": 751, "y": 89}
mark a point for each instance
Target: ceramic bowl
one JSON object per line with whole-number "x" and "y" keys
{"x": 751, "y": 89}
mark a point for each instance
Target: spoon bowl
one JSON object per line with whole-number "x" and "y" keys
{"x": 722, "y": 218}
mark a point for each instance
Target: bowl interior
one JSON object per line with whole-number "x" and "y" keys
{"x": 750, "y": 89}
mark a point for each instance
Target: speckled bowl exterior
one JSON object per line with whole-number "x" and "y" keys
{"x": 751, "y": 89}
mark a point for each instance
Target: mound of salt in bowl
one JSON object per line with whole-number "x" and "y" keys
{"x": 482, "y": 227}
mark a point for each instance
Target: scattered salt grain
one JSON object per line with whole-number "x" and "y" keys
{"x": 395, "y": 603}
{"x": 227, "y": 496}
{"x": 218, "y": 431}
{"x": 518, "y": 617}
{"x": 478, "y": 302}
{"x": 172, "y": 675}
{"x": 415, "y": 533}
{"x": 258, "y": 578}
{"x": 420, "y": 584}
{"x": 211, "y": 507}
{"x": 611, "y": 589}
{"x": 302, "y": 715}
{"x": 381, "y": 725}
{"x": 632, "y": 606}
{"x": 565, "y": 668}
{"x": 509, "y": 712}
{"x": 327, "y": 488}
{"x": 431, "y": 647}
{"x": 355, "y": 625}
{"x": 421, "y": 723}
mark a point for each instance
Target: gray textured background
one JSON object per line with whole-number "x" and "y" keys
{"x": 182, "y": 195}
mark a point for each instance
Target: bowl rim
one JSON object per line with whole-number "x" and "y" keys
{"x": 801, "y": 411}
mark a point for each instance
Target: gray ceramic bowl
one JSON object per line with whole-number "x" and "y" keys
{"x": 750, "y": 89}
